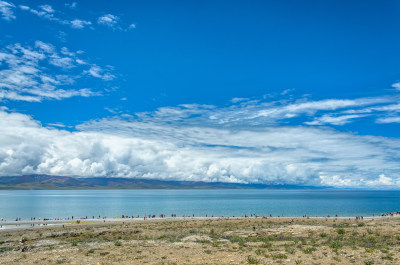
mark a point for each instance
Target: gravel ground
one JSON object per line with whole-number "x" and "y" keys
{"x": 207, "y": 241}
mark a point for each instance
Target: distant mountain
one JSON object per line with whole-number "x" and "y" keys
{"x": 45, "y": 182}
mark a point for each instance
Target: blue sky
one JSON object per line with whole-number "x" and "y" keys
{"x": 280, "y": 92}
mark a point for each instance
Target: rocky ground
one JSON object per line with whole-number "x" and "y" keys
{"x": 207, "y": 241}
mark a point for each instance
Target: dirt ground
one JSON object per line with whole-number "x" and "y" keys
{"x": 207, "y": 241}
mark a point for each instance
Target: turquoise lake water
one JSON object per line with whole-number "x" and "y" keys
{"x": 113, "y": 203}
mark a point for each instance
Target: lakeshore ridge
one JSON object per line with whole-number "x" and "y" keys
{"x": 46, "y": 182}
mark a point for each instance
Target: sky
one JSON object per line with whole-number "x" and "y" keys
{"x": 272, "y": 92}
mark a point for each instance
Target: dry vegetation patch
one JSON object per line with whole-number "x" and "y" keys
{"x": 208, "y": 241}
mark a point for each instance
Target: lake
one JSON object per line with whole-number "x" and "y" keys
{"x": 113, "y": 203}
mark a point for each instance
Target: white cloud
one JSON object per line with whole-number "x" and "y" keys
{"x": 396, "y": 85}
{"x": 46, "y": 47}
{"x": 22, "y": 7}
{"x": 72, "y": 5}
{"x": 65, "y": 51}
{"x": 46, "y": 12}
{"x": 80, "y": 24}
{"x": 118, "y": 147}
{"x": 49, "y": 13}
{"x": 245, "y": 112}
{"x": 42, "y": 72}
{"x": 395, "y": 119}
{"x": 236, "y": 100}
{"x": 6, "y": 10}
{"x": 97, "y": 71}
{"x": 63, "y": 62}
{"x": 334, "y": 120}
{"x": 108, "y": 20}
{"x": 47, "y": 8}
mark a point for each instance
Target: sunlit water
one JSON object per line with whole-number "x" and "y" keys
{"x": 25, "y": 204}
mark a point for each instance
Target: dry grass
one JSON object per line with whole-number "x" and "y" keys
{"x": 207, "y": 241}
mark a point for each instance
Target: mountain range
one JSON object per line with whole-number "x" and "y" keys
{"x": 46, "y": 182}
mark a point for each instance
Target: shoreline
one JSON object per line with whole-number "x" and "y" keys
{"x": 26, "y": 224}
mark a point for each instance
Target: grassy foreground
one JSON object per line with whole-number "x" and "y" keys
{"x": 208, "y": 241}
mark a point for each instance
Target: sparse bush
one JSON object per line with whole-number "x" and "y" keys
{"x": 309, "y": 250}
{"x": 266, "y": 245}
{"x": 341, "y": 231}
{"x": 388, "y": 257}
{"x": 260, "y": 252}
{"x": 290, "y": 250}
{"x": 279, "y": 256}
{"x": 252, "y": 260}
{"x": 335, "y": 245}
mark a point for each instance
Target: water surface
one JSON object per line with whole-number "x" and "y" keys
{"x": 113, "y": 203}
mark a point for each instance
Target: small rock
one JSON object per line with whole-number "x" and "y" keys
{"x": 104, "y": 253}
{"x": 24, "y": 249}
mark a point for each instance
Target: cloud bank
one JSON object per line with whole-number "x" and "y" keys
{"x": 183, "y": 149}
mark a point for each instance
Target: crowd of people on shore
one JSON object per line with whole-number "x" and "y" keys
{"x": 173, "y": 215}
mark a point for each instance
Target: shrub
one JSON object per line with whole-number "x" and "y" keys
{"x": 309, "y": 250}
{"x": 335, "y": 245}
{"x": 279, "y": 256}
{"x": 252, "y": 260}
{"x": 341, "y": 231}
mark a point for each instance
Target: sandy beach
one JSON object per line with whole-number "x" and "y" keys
{"x": 207, "y": 241}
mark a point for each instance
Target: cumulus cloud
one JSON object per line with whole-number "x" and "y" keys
{"x": 43, "y": 72}
{"x": 45, "y": 12}
{"x": 114, "y": 22}
{"x": 6, "y": 10}
{"x": 108, "y": 20}
{"x": 396, "y": 85}
{"x": 128, "y": 146}
{"x": 80, "y": 24}
{"x": 49, "y": 13}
